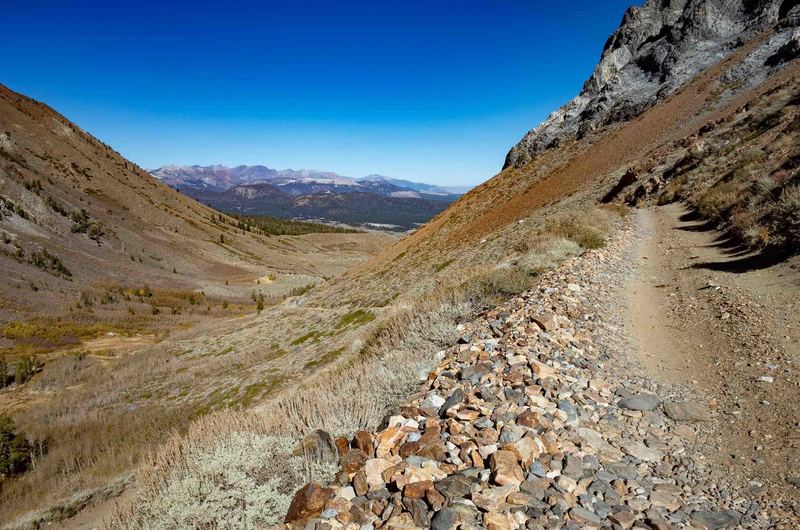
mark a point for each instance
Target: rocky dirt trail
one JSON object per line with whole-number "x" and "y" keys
{"x": 703, "y": 313}
{"x": 579, "y": 405}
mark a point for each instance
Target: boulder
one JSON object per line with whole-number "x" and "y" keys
{"x": 308, "y": 502}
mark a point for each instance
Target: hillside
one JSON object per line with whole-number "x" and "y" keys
{"x": 75, "y": 213}
{"x": 415, "y": 389}
{"x": 101, "y": 261}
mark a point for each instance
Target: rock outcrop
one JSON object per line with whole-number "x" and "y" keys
{"x": 656, "y": 50}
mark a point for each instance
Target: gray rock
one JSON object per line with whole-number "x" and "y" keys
{"x": 511, "y": 433}
{"x": 584, "y": 516}
{"x": 419, "y": 512}
{"x": 715, "y": 520}
{"x": 643, "y": 402}
{"x": 537, "y": 469}
{"x": 569, "y": 408}
{"x": 455, "y": 398}
{"x": 640, "y": 451}
{"x": 687, "y": 411}
{"x": 454, "y": 487}
{"x": 474, "y": 374}
{"x": 657, "y": 49}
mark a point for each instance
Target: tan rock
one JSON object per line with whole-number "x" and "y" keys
{"x": 545, "y": 322}
{"x": 468, "y": 415}
{"x": 360, "y": 484}
{"x": 498, "y": 521}
{"x": 526, "y": 450}
{"x": 624, "y": 519}
{"x": 542, "y": 370}
{"x": 402, "y": 521}
{"x": 374, "y": 468}
{"x": 666, "y": 500}
{"x": 490, "y": 499}
{"x": 505, "y": 469}
{"x": 387, "y": 440}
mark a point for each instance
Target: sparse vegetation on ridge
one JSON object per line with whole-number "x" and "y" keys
{"x": 742, "y": 173}
{"x": 274, "y": 226}
{"x": 355, "y": 390}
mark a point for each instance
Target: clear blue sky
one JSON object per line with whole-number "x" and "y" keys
{"x": 431, "y": 90}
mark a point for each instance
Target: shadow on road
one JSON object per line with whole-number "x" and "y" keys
{"x": 753, "y": 262}
{"x": 740, "y": 258}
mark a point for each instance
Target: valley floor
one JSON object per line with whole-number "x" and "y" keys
{"x": 648, "y": 383}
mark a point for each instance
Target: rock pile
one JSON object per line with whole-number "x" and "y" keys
{"x": 532, "y": 421}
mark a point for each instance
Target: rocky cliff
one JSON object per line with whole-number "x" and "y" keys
{"x": 656, "y": 50}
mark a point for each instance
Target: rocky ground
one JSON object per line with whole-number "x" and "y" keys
{"x": 548, "y": 414}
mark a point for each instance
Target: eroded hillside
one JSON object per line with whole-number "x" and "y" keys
{"x": 342, "y": 355}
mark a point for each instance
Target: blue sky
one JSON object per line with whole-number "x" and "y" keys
{"x": 436, "y": 91}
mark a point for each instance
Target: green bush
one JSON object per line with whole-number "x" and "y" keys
{"x": 25, "y": 368}
{"x": 3, "y": 372}
{"x": 15, "y": 451}
{"x": 278, "y": 227}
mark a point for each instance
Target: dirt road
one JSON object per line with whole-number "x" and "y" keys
{"x": 708, "y": 315}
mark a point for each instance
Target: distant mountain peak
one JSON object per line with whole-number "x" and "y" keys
{"x": 221, "y": 178}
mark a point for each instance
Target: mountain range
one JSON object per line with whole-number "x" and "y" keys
{"x": 373, "y": 200}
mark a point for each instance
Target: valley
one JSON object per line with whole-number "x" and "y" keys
{"x": 595, "y": 337}
{"x": 373, "y": 201}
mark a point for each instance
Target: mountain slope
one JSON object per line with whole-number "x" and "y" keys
{"x": 74, "y": 213}
{"x": 104, "y": 269}
{"x": 657, "y": 49}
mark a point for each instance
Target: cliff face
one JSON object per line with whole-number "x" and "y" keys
{"x": 659, "y": 47}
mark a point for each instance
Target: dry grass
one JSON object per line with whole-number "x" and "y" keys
{"x": 235, "y": 473}
{"x": 747, "y": 182}
{"x": 357, "y": 388}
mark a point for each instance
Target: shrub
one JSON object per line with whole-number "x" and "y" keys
{"x": 56, "y": 206}
{"x": 579, "y": 231}
{"x": 24, "y": 369}
{"x": 717, "y": 200}
{"x": 3, "y": 372}
{"x": 246, "y": 480}
{"x": 789, "y": 207}
{"x": 300, "y": 291}
{"x": 15, "y": 451}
